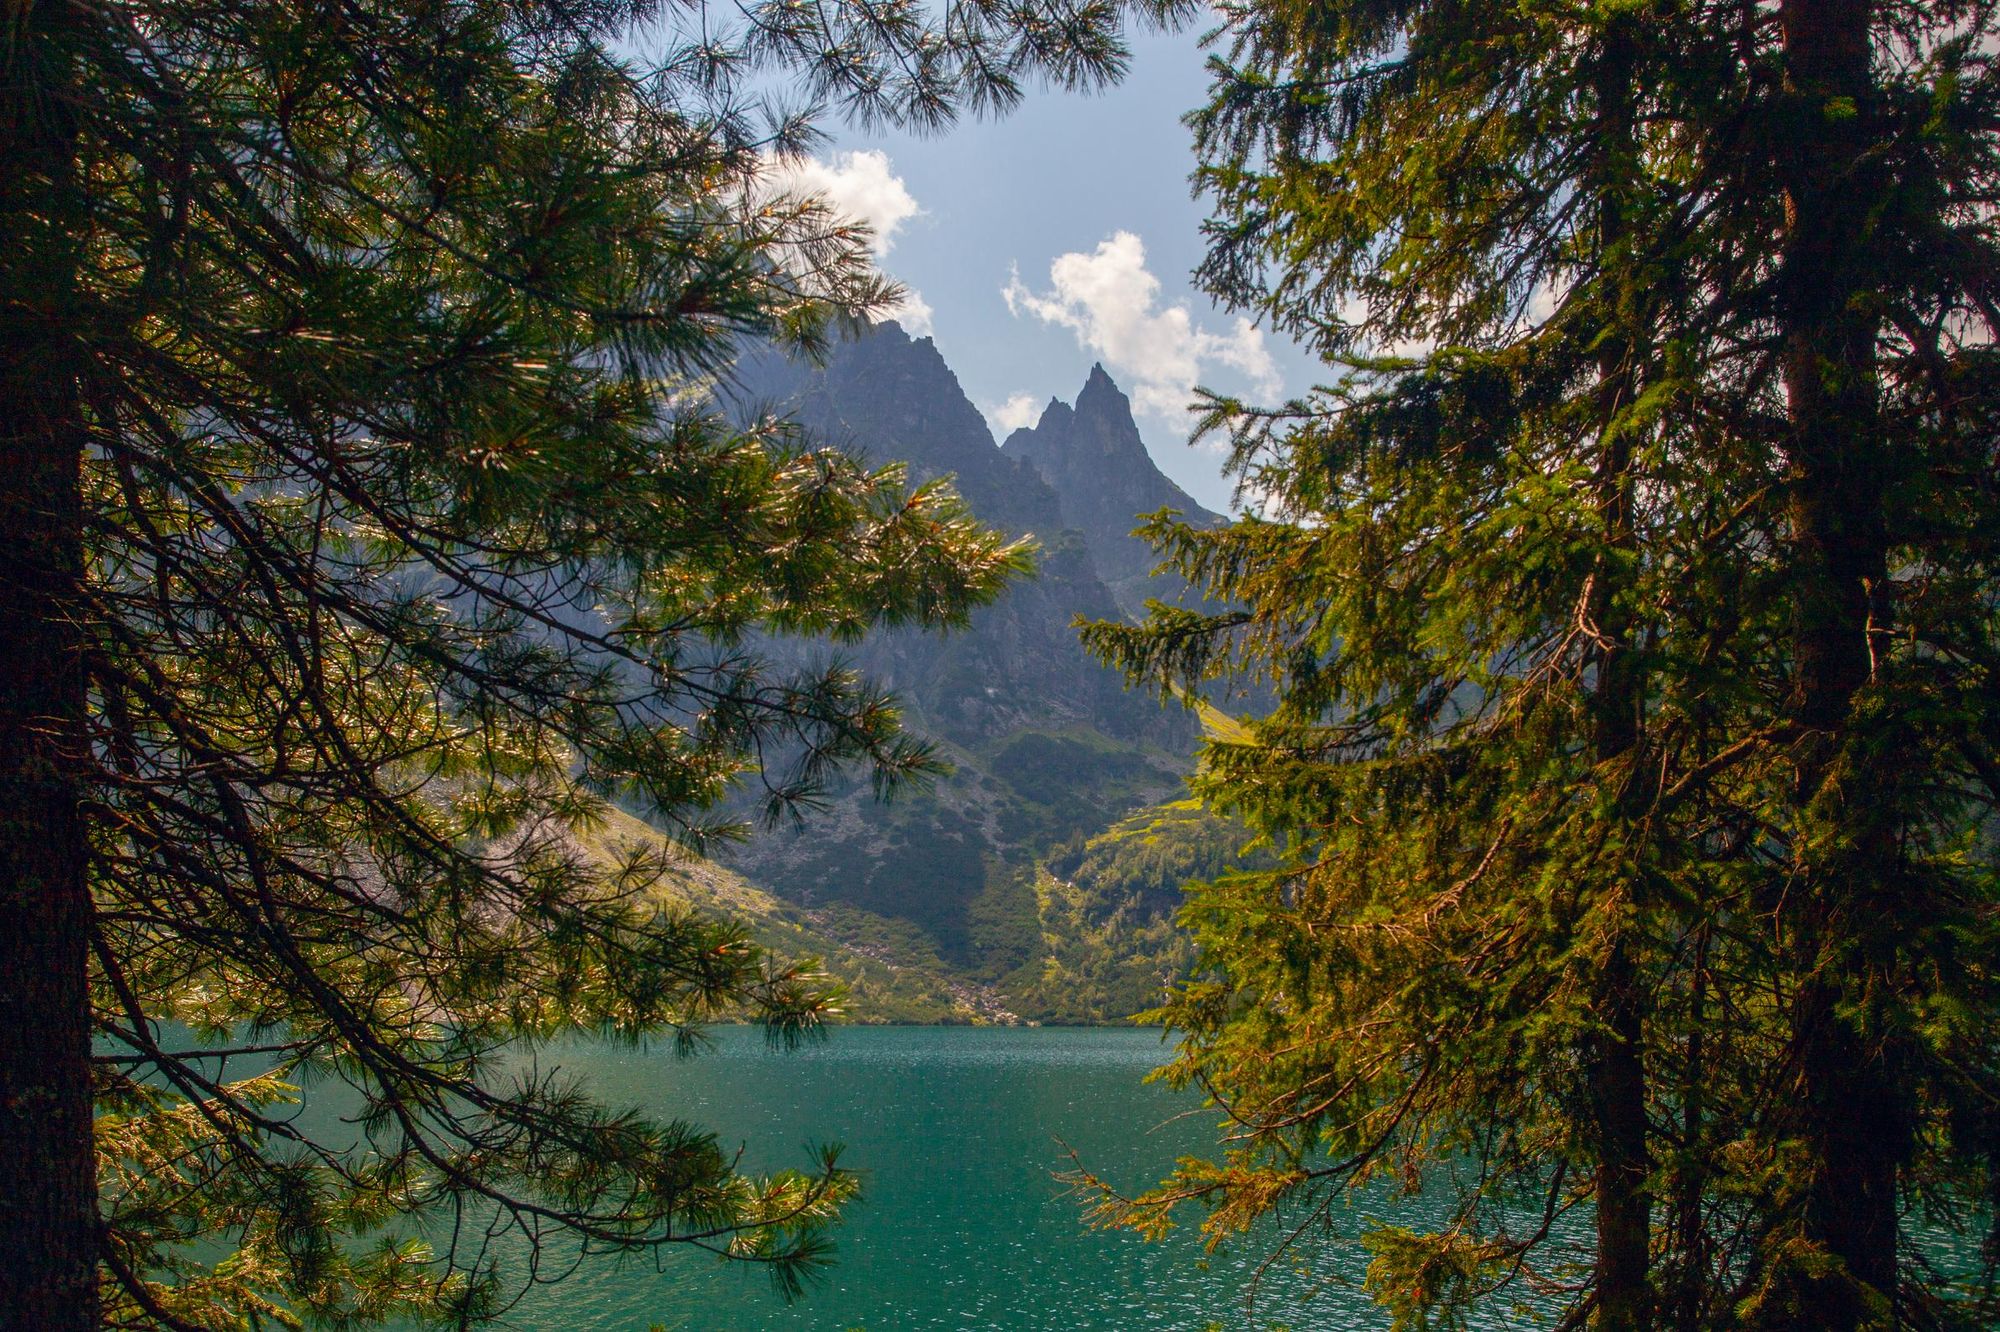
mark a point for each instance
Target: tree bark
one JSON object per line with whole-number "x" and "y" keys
{"x": 1692, "y": 1278}
{"x": 1848, "y": 1113}
{"x": 48, "y": 1189}
{"x": 1615, "y": 1068}
{"x": 1624, "y": 1203}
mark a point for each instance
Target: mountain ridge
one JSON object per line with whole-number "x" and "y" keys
{"x": 1104, "y": 479}
{"x": 1047, "y": 746}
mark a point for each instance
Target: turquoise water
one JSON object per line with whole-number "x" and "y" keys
{"x": 958, "y": 1132}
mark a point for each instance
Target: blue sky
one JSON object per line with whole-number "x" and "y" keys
{"x": 1061, "y": 235}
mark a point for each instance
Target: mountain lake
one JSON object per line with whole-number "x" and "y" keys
{"x": 958, "y": 1133}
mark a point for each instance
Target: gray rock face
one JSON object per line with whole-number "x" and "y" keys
{"x": 1047, "y": 743}
{"x": 1103, "y": 478}
{"x": 889, "y": 397}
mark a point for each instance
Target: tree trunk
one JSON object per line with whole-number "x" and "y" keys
{"x": 1690, "y": 1177}
{"x": 1846, "y": 1100}
{"x": 1624, "y": 1205}
{"x": 1615, "y": 1068}
{"x": 48, "y": 1189}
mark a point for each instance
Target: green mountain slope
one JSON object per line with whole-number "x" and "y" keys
{"x": 1084, "y": 934}
{"x": 1105, "y": 912}
{"x": 1039, "y": 878}
{"x": 888, "y": 977}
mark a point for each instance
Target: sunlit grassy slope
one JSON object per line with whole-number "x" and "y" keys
{"x": 1079, "y": 929}
{"x": 884, "y": 984}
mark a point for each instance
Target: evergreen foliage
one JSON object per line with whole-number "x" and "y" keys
{"x": 1629, "y": 598}
{"x": 1106, "y": 907}
{"x": 367, "y": 529}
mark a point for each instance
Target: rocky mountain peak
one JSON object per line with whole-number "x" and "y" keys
{"x": 1101, "y": 393}
{"x": 1046, "y": 740}
{"x": 887, "y": 396}
{"x": 1055, "y": 417}
{"x": 890, "y": 397}
{"x": 1094, "y": 460}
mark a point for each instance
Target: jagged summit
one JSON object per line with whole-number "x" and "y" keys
{"x": 1098, "y": 385}
{"x": 1053, "y": 415}
{"x": 1077, "y": 482}
{"x": 1091, "y": 455}
{"x": 1100, "y": 422}
{"x": 889, "y": 397}
{"x": 1046, "y": 741}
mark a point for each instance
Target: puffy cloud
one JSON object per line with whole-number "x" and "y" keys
{"x": 861, "y": 185}
{"x": 1109, "y": 300}
{"x": 1023, "y": 409}
{"x": 1545, "y": 300}
{"x": 913, "y": 312}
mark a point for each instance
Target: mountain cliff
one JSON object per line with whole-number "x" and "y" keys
{"x": 887, "y": 397}
{"x": 1091, "y": 456}
{"x": 1048, "y": 747}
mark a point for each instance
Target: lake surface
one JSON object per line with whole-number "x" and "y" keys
{"x": 958, "y": 1132}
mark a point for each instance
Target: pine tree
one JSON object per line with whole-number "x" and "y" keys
{"x": 365, "y": 527}
{"x": 1632, "y": 762}
{"x": 1879, "y": 336}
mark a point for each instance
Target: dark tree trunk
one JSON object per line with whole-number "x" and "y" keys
{"x": 1846, "y": 1099}
{"x": 48, "y": 1190}
{"x": 1615, "y": 1068}
{"x": 1692, "y": 1279}
{"x": 1624, "y": 1204}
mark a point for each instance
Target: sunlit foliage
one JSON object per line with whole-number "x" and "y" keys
{"x": 1629, "y": 597}
{"x": 370, "y": 529}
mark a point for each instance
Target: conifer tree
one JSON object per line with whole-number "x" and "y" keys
{"x": 1633, "y": 760}
{"x": 366, "y": 526}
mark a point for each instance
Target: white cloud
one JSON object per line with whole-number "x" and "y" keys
{"x": 1110, "y": 302}
{"x": 1544, "y": 301}
{"x": 1023, "y": 409}
{"x": 861, "y": 185}
{"x": 913, "y": 312}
